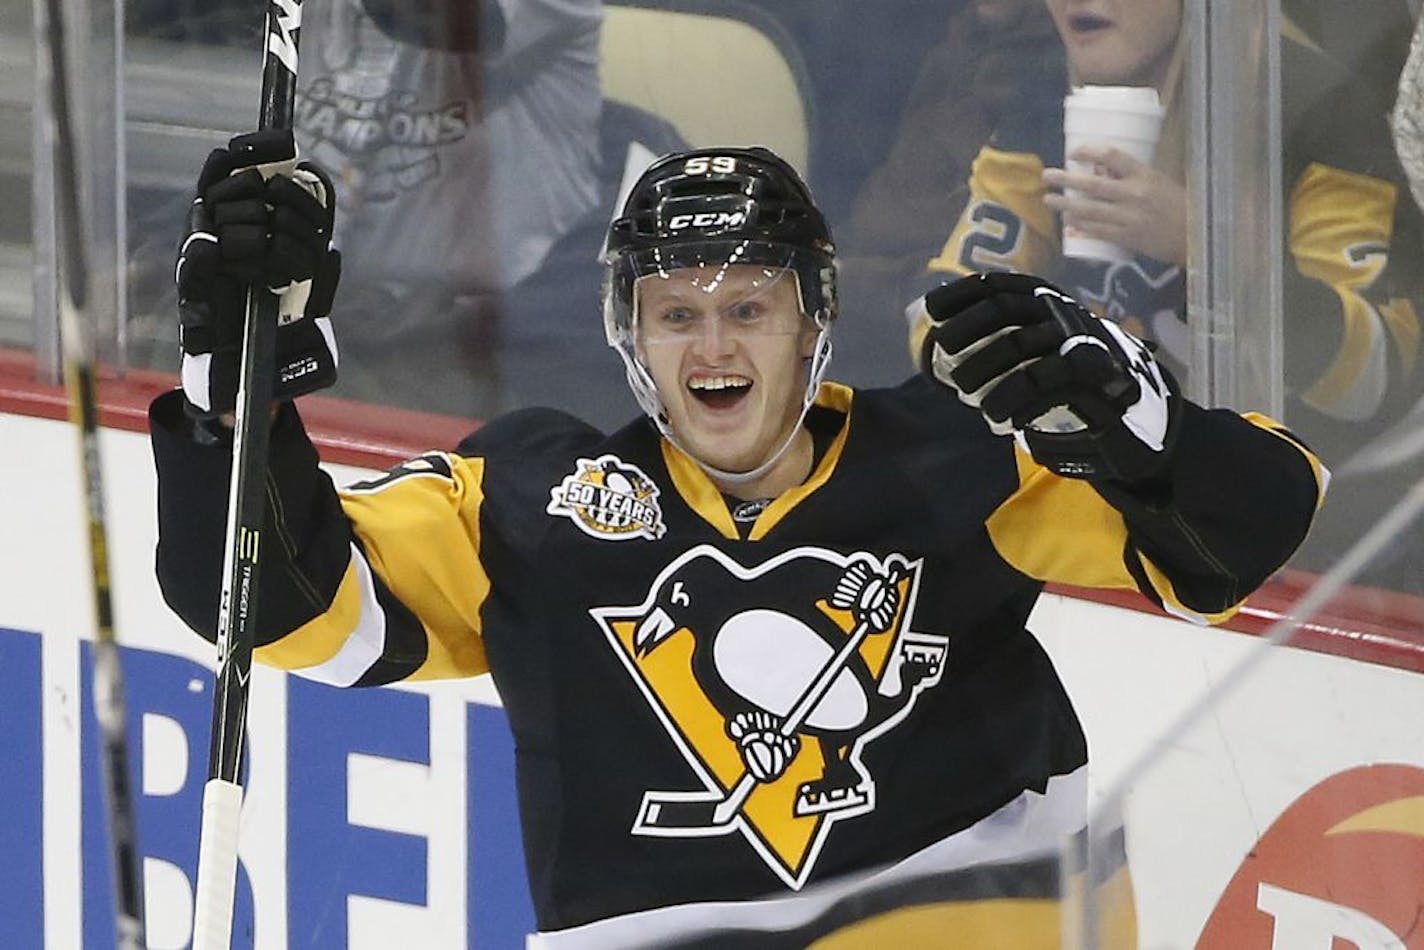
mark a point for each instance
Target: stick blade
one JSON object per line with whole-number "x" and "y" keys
{"x": 684, "y": 814}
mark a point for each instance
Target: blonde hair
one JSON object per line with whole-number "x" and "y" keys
{"x": 1171, "y": 155}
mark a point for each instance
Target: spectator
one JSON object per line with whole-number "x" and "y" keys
{"x": 437, "y": 120}
{"x": 995, "y": 60}
{"x": 440, "y": 119}
{"x": 1390, "y": 463}
{"x": 1352, "y": 332}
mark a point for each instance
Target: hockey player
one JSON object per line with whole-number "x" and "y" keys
{"x": 762, "y": 651}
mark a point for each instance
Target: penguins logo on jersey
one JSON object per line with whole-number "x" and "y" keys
{"x": 771, "y": 680}
{"x": 609, "y": 499}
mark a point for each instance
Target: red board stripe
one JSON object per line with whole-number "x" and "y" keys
{"x": 1362, "y": 623}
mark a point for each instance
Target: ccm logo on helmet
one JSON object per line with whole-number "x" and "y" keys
{"x": 707, "y": 219}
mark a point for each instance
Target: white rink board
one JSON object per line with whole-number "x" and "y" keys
{"x": 1298, "y": 719}
{"x": 1301, "y": 719}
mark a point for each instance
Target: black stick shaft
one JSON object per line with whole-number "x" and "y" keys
{"x": 79, "y": 375}
{"x": 246, "y": 497}
{"x": 237, "y": 612}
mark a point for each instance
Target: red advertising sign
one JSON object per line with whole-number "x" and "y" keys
{"x": 1343, "y": 866}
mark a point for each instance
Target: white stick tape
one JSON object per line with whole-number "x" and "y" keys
{"x": 217, "y": 865}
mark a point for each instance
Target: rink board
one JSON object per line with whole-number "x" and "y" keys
{"x": 386, "y": 817}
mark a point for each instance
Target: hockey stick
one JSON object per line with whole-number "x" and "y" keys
{"x": 696, "y": 812}
{"x": 78, "y": 356}
{"x": 237, "y": 608}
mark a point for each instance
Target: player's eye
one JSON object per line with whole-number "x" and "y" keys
{"x": 746, "y": 311}
{"x": 676, "y": 318}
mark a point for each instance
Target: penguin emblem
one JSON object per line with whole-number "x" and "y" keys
{"x": 771, "y": 680}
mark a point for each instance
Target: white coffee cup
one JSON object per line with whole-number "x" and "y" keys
{"x": 1128, "y": 118}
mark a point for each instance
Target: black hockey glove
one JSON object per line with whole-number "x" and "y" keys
{"x": 260, "y": 218}
{"x": 1085, "y": 397}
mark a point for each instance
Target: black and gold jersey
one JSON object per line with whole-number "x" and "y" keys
{"x": 706, "y": 715}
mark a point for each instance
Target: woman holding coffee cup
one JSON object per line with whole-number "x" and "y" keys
{"x": 1109, "y": 192}
{"x": 1109, "y": 224}
{"x": 1122, "y": 211}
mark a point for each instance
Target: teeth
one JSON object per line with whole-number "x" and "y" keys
{"x": 718, "y": 382}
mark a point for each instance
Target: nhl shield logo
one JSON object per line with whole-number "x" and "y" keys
{"x": 610, "y": 500}
{"x": 771, "y": 680}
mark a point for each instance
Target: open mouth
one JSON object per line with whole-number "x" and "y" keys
{"x": 1087, "y": 23}
{"x": 719, "y": 392}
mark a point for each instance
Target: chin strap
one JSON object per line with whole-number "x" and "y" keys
{"x": 646, "y": 392}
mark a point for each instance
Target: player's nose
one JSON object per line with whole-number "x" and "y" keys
{"x": 714, "y": 337}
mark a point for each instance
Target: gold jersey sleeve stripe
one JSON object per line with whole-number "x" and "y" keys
{"x": 1402, "y": 318}
{"x": 320, "y": 638}
{"x": 1046, "y": 507}
{"x": 421, "y": 535}
{"x": 1171, "y": 603}
{"x": 1336, "y": 218}
{"x": 1060, "y": 530}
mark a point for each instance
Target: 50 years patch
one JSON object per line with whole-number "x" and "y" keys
{"x": 609, "y": 499}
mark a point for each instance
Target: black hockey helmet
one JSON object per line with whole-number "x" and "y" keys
{"x": 718, "y": 207}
